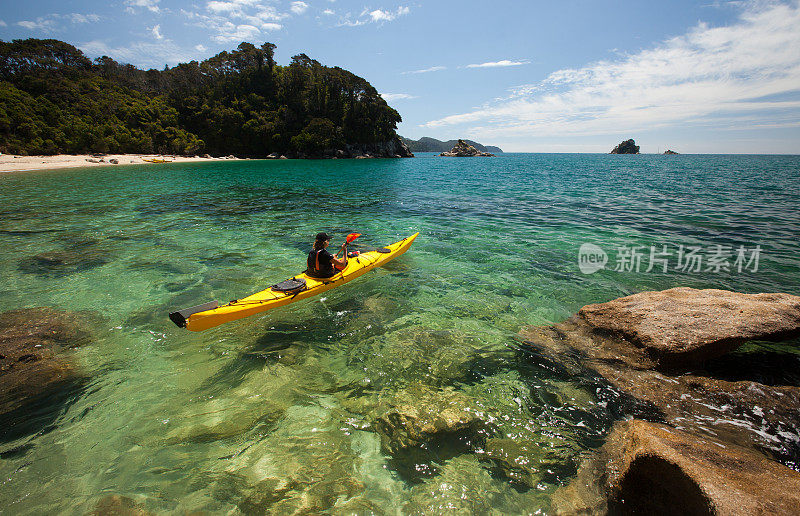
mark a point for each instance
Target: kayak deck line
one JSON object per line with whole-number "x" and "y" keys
{"x": 209, "y": 315}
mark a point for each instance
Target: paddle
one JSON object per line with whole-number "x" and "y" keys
{"x": 350, "y": 238}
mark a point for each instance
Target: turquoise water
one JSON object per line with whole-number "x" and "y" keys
{"x": 272, "y": 413}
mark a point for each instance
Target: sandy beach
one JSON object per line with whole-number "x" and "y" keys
{"x": 13, "y": 163}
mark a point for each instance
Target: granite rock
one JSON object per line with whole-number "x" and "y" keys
{"x": 647, "y": 468}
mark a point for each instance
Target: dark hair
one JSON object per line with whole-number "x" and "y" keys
{"x": 319, "y": 243}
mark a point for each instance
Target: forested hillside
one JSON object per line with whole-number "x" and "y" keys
{"x": 53, "y": 100}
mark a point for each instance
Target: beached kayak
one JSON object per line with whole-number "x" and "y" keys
{"x": 301, "y": 286}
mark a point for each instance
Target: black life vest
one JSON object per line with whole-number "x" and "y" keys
{"x": 319, "y": 268}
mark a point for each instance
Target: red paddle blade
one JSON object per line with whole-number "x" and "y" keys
{"x": 352, "y": 236}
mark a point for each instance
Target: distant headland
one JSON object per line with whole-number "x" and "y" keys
{"x": 426, "y": 144}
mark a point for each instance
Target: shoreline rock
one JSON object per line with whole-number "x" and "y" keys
{"x": 647, "y": 468}
{"x": 683, "y": 327}
{"x": 653, "y": 347}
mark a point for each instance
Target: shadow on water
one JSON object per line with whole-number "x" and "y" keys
{"x": 769, "y": 363}
{"x": 270, "y": 347}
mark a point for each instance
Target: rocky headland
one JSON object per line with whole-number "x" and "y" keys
{"x": 626, "y": 147}
{"x": 464, "y": 150}
{"x": 714, "y": 443}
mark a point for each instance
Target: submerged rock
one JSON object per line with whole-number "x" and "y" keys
{"x": 433, "y": 357}
{"x": 116, "y": 505}
{"x": 626, "y": 147}
{"x": 517, "y": 460}
{"x": 34, "y": 354}
{"x": 463, "y": 486}
{"x": 647, "y": 468}
{"x": 464, "y": 150}
{"x": 297, "y": 469}
{"x": 421, "y": 415}
{"x": 76, "y": 257}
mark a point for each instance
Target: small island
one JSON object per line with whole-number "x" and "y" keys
{"x": 464, "y": 150}
{"x": 427, "y": 144}
{"x": 670, "y": 151}
{"x": 626, "y": 147}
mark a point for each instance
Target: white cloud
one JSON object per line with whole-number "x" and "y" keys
{"x": 389, "y": 97}
{"x": 230, "y": 6}
{"x": 374, "y": 16}
{"x": 200, "y": 48}
{"x": 329, "y": 12}
{"x": 379, "y": 15}
{"x": 497, "y": 64}
{"x": 426, "y": 70}
{"x": 230, "y": 33}
{"x": 708, "y": 76}
{"x": 150, "y": 5}
{"x": 54, "y": 22}
{"x": 156, "y": 31}
{"x": 299, "y": 7}
{"x": 3, "y": 24}
{"x": 83, "y": 18}
{"x": 41, "y": 24}
{"x": 236, "y": 20}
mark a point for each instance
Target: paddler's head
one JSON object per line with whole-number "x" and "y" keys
{"x": 322, "y": 241}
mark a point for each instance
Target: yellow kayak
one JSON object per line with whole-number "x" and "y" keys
{"x": 209, "y": 315}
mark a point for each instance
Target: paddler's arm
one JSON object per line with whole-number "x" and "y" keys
{"x": 343, "y": 261}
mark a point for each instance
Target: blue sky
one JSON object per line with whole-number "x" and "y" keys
{"x": 575, "y": 76}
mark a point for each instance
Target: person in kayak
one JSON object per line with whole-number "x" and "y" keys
{"x": 321, "y": 263}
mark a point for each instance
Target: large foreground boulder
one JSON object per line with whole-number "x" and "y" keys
{"x": 647, "y": 468}
{"x": 464, "y": 150}
{"x": 660, "y": 348}
{"x": 626, "y": 147}
{"x": 684, "y": 326}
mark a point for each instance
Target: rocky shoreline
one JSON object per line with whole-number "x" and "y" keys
{"x": 714, "y": 445}
{"x": 699, "y": 442}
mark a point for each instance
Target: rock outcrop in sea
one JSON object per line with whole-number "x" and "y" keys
{"x": 626, "y": 147}
{"x": 670, "y": 151}
{"x": 464, "y": 150}
{"x": 714, "y": 434}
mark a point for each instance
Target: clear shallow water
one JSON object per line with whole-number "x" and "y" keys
{"x": 273, "y": 411}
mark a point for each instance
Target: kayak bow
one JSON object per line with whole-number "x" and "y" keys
{"x": 209, "y": 315}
